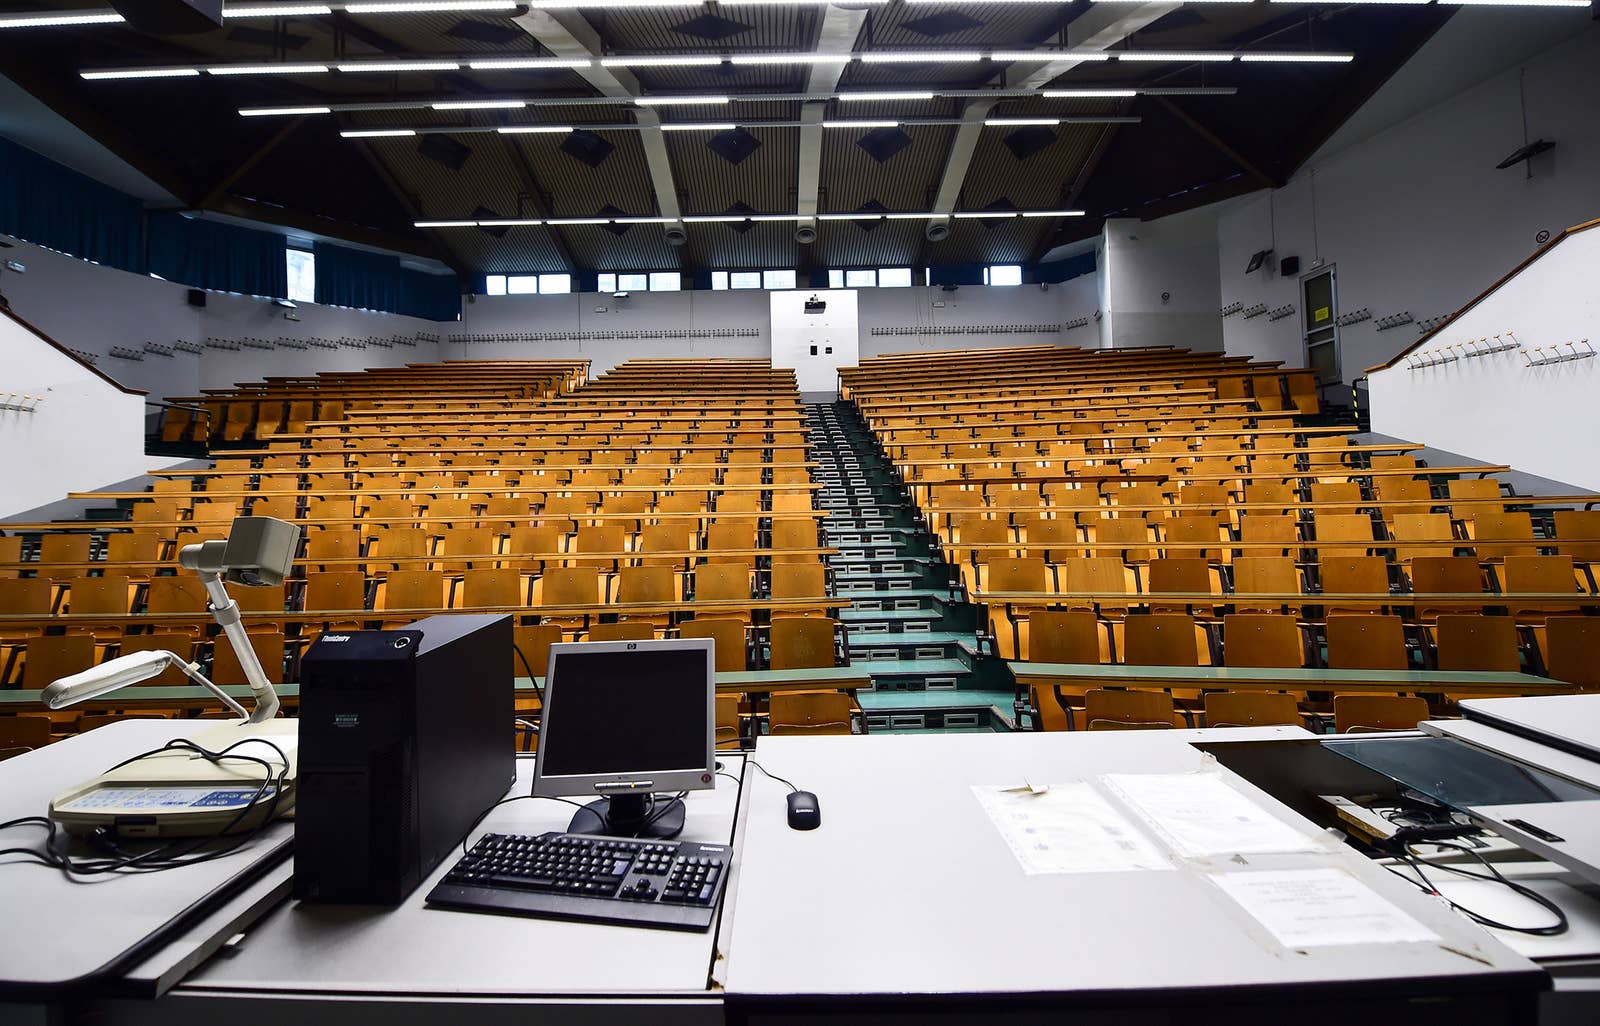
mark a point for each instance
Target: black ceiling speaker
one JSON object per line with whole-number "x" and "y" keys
{"x": 943, "y": 24}
{"x": 883, "y": 143}
{"x": 170, "y": 17}
{"x": 744, "y": 209}
{"x": 445, "y": 150}
{"x": 485, "y": 214}
{"x": 735, "y": 145}
{"x": 587, "y": 148}
{"x": 618, "y": 230}
{"x": 1026, "y": 142}
{"x": 1527, "y": 152}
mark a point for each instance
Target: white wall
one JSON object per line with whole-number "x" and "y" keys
{"x": 1414, "y": 214}
{"x": 816, "y": 345}
{"x": 92, "y": 308}
{"x": 83, "y": 432}
{"x": 1542, "y": 420}
{"x": 1161, "y": 281}
{"x": 928, "y": 310}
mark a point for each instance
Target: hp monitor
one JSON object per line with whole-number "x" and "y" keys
{"x": 628, "y": 721}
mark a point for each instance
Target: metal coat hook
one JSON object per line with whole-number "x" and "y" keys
{"x": 18, "y": 402}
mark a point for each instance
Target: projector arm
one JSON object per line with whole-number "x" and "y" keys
{"x": 226, "y": 612}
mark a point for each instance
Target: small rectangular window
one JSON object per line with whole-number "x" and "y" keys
{"x": 605, "y": 282}
{"x": 666, "y": 281}
{"x": 555, "y": 284}
{"x": 522, "y": 284}
{"x": 744, "y": 279}
{"x": 632, "y": 282}
{"x": 302, "y": 276}
{"x": 835, "y": 279}
{"x": 719, "y": 280}
{"x": 494, "y": 285}
{"x": 1002, "y": 274}
{"x": 777, "y": 279}
{"x": 860, "y": 279}
{"x": 894, "y": 278}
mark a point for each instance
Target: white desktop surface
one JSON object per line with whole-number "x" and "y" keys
{"x": 424, "y": 952}
{"x": 907, "y": 888}
{"x": 109, "y": 914}
{"x": 1571, "y": 721}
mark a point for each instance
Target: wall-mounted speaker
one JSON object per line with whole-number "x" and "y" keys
{"x": 197, "y": 297}
{"x": 1289, "y": 266}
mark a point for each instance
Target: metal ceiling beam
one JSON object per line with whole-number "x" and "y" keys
{"x": 226, "y": 182}
{"x": 837, "y": 34}
{"x": 436, "y": 249}
{"x": 1080, "y": 182}
{"x": 1099, "y": 28}
{"x": 567, "y": 33}
{"x": 536, "y": 193}
{"x": 1222, "y": 146}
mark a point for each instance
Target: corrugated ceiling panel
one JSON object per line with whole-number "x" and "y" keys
{"x": 762, "y": 246}
{"x": 520, "y": 251}
{"x": 886, "y": 244}
{"x": 708, "y": 184}
{"x": 906, "y": 181}
{"x": 1034, "y": 183}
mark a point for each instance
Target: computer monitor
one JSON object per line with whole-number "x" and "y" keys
{"x": 628, "y": 720}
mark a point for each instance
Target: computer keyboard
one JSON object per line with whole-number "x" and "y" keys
{"x": 673, "y": 885}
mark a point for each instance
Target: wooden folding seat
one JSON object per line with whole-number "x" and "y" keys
{"x": 389, "y": 508}
{"x": 692, "y": 477}
{"x": 1335, "y": 491}
{"x": 269, "y": 647}
{"x": 300, "y": 414}
{"x": 1444, "y": 575}
{"x": 1195, "y": 529}
{"x": 1164, "y": 639}
{"x": 736, "y": 536}
{"x": 483, "y": 588}
{"x": 1339, "y": 527}
{"x": 10, "y": 552}
{"x": 724, "y": 581}
{"x": 808, "y": 712}
{"x": 335, "y": 591}
{"x": 1475, "y": 488}
{"x": 1265, "y": 575}
{"x": 239, "y": 420}
{"x": 1362, "y": 714}
{"x": 654, "y": 584}
{"x": 1358, "y": 642}
{"x": 611, "y": 538}
{"x": 1569, "y": 647}
{"x": 801, "y": 581}
{"x": 1413, "y": 527}
{"x": 643, "y": 476}
{"x": 269, "y": 601}
{"x": 64, "y": 547}
{"x": 1210, "y": 501}
{"x": 215, "y": 513}
{"x": 182, "y": 593}
{"x": 123, "y": 547}
{"x": 421, "y": 591}
{"x": 480, "y": 542}
{"x": 1102, "y": 576}
{"x": 1251, "y": 709}
{"x": 505, "y": 511}
{"x": 1134, "y": 495}
{"x": 575, "y": 505}
{"x": 1498, "y": 528}
{"x": 1257, "y": 530}
{"x": 407, "y": 544}
{"x": 177, "y": 424}
{"x": 1354, "y": 575}
{"x": 1129, "y": 710}
{"x": 1270, "y": 494}
{"x": 339, "y": 509}
{"x": 1471, "y": 641}
{"x": 1540, "y": 574}
{"x": 280, "y": 507}
{"x": 801, "y": 643}
{"x": 1262, "y": 639}
{"x": 1134, "y": 533}
{"x": 729, "y": 645}
{"x": 1054, "y": 538}
{"x": 50, "y": 658}
{"x": 333, "y": 543}
{"x": 1402, "y": 495}
{"x": 178, "y": 643}
{"x": 571, "y": 585}
{"x": 1571, "y": 527}
{"x": 1181, "y": 575}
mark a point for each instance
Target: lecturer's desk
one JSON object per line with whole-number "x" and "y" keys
{"x": 906, "y": 899}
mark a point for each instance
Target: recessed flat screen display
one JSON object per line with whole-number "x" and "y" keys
{"x": 625, "y": 712}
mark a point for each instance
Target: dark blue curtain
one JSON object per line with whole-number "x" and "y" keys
{"x": 955, "y": 274}
{"x": 223, "y": 257}
{"x": 373, "y": 281}
{"x": 49, "y": 205}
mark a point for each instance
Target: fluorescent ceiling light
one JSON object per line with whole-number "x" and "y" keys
{"x": 904, "y": 215}
{"x": 662, "y": 101}
{"x": 849, "y": 217}
{"x": 646, "y": 220}
{"x": 716, "y": 219}
{"x": 711, "y": 126}
{"x": 402, "y": 66}
{"x": 1311, "y": 58}
{"x": 378, "y": 133}
{"x": 269, "y": 69}
{"x": 886, "y": 96}
{"x": 269, "y": 112}
{"x": 892, "y": 57}
{"x": 679, "y": 61}
{"x": 861, "y": 124}
{"x": 534, "y": 129}
{"x": 1049, "y": 55}
{"x": 1517, "y": 3}
{"x": 973, "y": 215}
{"x": 578, "y": 220}
{"x": 795, "y": 3}
{"x": 1165, "y": 55}
{"x": 422, "y": 6}
{"x": 444, "y": 224}
{"x": 791, "y": 58}
{"x": 512, "y": 222}
{"x": 277, "y": 11}
{"x": 480, "y": 105}
{"x": 529, "y": 63}
{"x": 777, "y": 217}
{"x": 860, "y": 215}
{"x": 1020, "y": 122}
{"x": 1052, "y": 213}
{"x": 1089, "y": 94}
{"x": 51, "y": 20}
{"x": 116, "y": 73}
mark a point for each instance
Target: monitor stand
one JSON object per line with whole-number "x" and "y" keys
{"x": 630, "y": 815}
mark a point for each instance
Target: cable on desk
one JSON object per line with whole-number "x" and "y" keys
{"x": 174, "y": 854}
{"x": 538, "y": 692}
{"x": 507, "y": 801}
{"x": 1416, "y": 862}
{"x": 769, "y": 773}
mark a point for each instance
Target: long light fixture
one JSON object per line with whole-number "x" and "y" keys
{"x": 859, "y": 215}
{"x": 715, "y": 126}
{"x": 429, "y": 6}
{"x": 861, "y": 124}
{"x": 711, "y": 60}
{"x": 667, "y": 101}
{"x": 1089, "y": 94}
{"x": 1019, "y": 122}
{"x": 268, "y": 112}
{"x": 378, "y": 133}
{"x": 277, "y": 11}
{"x": 864, "y": 97}
{"x": 534, "y": 129}
{"x": 480, "y": 105}
{"x": 49, "y": 19}
{"x": 726, "y": 126}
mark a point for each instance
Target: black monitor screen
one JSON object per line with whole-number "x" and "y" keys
{"x": 625, "y": 712}
{"x": 1457, "y": 775}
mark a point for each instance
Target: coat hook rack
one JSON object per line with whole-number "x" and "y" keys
{"x": 18, "y": 402}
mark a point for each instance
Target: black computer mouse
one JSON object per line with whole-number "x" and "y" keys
{"x": 804, "y": 812}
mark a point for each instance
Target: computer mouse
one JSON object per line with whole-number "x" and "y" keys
{"x": 804, "y": 812}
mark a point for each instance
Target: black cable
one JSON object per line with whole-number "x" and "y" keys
{"x": 506, "y": 801}
{"x": 1416, "y": 863}
{"x": 774, "y": 776}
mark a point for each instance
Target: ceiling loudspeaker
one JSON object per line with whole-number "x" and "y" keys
{"x": 805, "y": 233}
{"x": 676, "y": 236}
{"x": 937, "y": 231}
{"x": 171, "y": 17}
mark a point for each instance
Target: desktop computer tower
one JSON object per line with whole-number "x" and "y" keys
{"x": 406, "y": 737}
